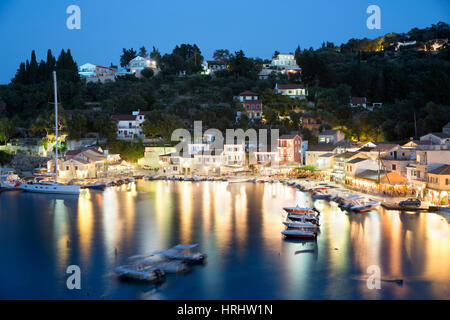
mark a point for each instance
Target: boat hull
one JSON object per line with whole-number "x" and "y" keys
{"x": 60, "y": 189}
{"x": 299, "y": 234}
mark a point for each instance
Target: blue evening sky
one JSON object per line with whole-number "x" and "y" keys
{"x": 257, "y": 27}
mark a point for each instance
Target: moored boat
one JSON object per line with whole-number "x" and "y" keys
{"x": 9, "y": 180}
{"x": 300, "y": 210}
{"x": 299, "y": 224}
{"x": 184, "y": 253}
{"x": 365, "y": 206}
{"x": 308, "y": 233}
{"x": 50, "y": 187}
{"x": 131, "y": 272}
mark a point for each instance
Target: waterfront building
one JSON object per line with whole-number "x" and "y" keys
{"x": 397, "y": 160}
{"x": 339, "y": 162}
{"x": 358, "y": 165}
{"x": 151, "y": 156}
{"x": 426, "y": 161}
{"x": 87, "y": 163}
{"x": 266, "y": 159}
{"x": 234, "y": 155}
{"x": 129, "y": 126}
{"x": 293, "y": 90}
{"x": 315, "y": 151}
{"x": 208, "y": 162}
{"x": 94, "y": 72}
{"x": 379, "y": 181}
{"x": 176, "y": 163}
{"x": 438, "y": 184}
{"x": 289, "y": 148}
{"x": 331, "y": 136}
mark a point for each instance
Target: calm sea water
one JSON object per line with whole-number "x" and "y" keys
{"x": 237, "y": 225}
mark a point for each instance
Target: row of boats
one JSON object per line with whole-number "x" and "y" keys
{"x": 301, "y": 222}
{"x": 346, "y": 200}
{"x": 9, "y": 180}
{"x": 153, "y": 267}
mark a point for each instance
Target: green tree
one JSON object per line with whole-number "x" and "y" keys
{"x": 7, "y": 128}
{"x": 127, "y": 56}
{"x": 143, "y": 52}
{"x": 147, "y": 73}
{"x": 160, "y": 124}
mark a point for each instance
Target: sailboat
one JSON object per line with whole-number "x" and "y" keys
{"x": 52, "y": 186}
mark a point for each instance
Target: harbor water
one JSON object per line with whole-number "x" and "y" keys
{"x": 238, "y": 226}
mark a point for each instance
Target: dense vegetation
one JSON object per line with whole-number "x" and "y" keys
{"x": 411, "y": 84}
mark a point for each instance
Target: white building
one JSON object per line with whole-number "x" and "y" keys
{"x": 140, "y": 63}
{"x": 212, "y": 66}
{"x": 284, "y": 61}
{"x": 292, "y": 90}
{"x": 94, "y": 72}
{"x": 129, "y": 126}
{"x": 234, "y": 155}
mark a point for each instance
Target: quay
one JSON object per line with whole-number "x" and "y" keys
{"x": 396, "y": 207}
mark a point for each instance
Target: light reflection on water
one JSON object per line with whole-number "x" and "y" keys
{"x": 238, "y": 225}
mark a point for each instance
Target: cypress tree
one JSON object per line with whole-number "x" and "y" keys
{"x": 21, "y": 74}
{"x": 27, "y": 72}
{"x": 33, "y": 72}
{"x": 50, "y": 65}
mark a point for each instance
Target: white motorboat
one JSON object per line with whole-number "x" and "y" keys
{"x": 304, "y": 217}
{"x": 308, "y": 233}
{"x": 300, "y": 224}
{"x": 184, "y": 253}
{"x": 50, "y": 187}
{"x": 365, "y": 206}
{"x": 8, "y": 179}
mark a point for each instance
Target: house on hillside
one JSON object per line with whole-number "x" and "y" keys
{"x": 251, "y": 104}
{"x": 94, "y": 72}
{"x": 331, "y": 136}
{"x": 212, "y": 66}
{"x": 358, "y": 102}
{"x": 129, "y": 126}
{"x": 284, "y": 61}
{"x": 138, "y": 64}
{"x": 293, "y": 90}
{"x": 436, "y": 137}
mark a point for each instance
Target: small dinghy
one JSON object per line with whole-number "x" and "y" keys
{"x": 184, "y": 253}
{"x": 148, "y": 274}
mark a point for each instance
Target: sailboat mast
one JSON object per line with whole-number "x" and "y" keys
{"x": 56, "y": 127}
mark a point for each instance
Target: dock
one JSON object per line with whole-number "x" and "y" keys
{"x": 396, "y": 207}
